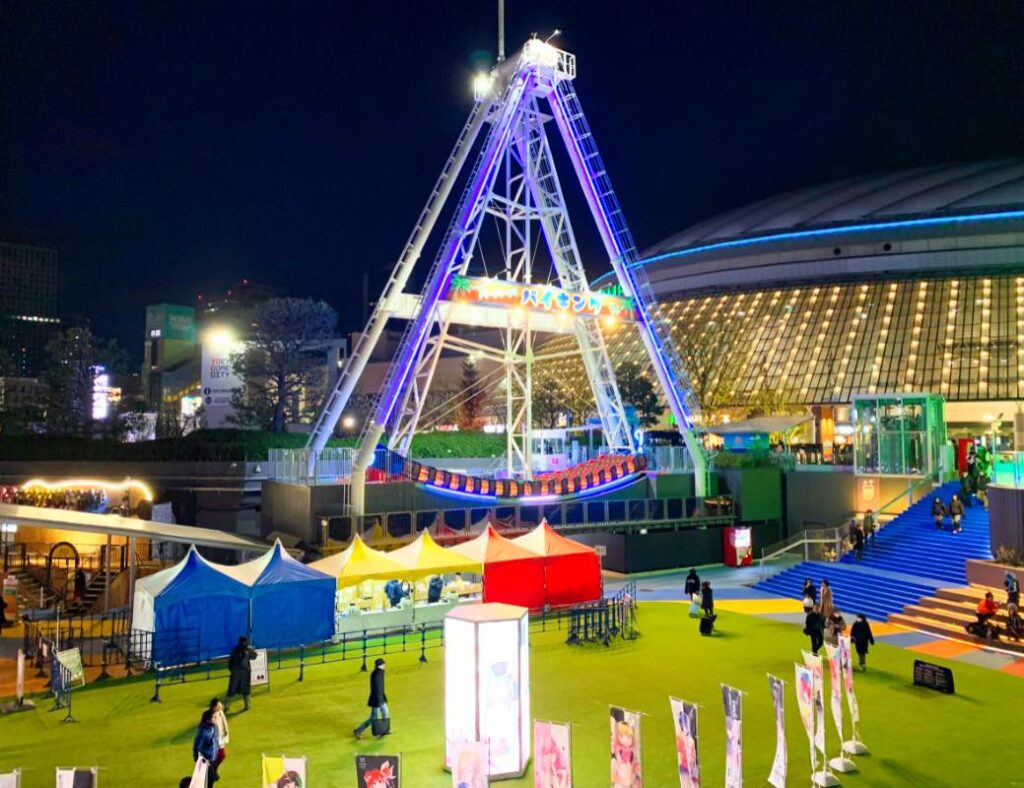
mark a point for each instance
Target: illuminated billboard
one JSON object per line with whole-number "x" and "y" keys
{"x": 218, "y": 380}
{"x": 541, "y": 298}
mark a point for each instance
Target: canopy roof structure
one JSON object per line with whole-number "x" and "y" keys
{"x": 359, "y": 562}
{"x": 274, "y": 566}
{"x": 427, "y": 557}
{"x": 544, "y": 540}
{"x": 490, "y": 547}
{"x": 115, "y": 525}
{"x": 761, "y": 424}
{"x": 572, "y": 571}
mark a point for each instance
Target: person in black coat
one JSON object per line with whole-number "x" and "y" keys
{"x": 938, "y": 513}
{"x": 378, "y": 700}
{"x": 240, "y": 678}
{"x": 858, "y": 541}
{"x": 810, "y": 593}
{"x": 707, "y": 598}
{"x": 814, "y": 627}
{"x": 861, "y": 636}
{"x": 692, "y": 585}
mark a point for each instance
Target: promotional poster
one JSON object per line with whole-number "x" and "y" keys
{"x": 851, "y": 699}
{"x": 684, "y": 719}
{"x": 258, "y": 672}
{"x": 835, "y": 671}
{"x": 732, "y": 700}
{"x": 817, "y": 670}
{"x": 627, "y": 771}
{"x": 778, "y": 774}
{"x": 470, "y": 765}
{"x": 280, "y": 771}
{"x": 552, "y": 758}
{"x": 805, "y": 702}
{"x": 377, "y": 771}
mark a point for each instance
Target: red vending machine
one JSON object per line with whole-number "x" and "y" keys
{"x": 739, "y": 546}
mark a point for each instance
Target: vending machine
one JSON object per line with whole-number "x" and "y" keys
{"x": 739, "y": 546}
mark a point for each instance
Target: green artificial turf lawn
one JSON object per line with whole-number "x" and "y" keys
{"x": 916, "y": 736}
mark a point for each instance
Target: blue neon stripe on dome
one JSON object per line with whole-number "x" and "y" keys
{"x": 825, "y": 231}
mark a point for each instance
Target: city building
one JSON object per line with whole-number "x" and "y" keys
{"x": 170, "y": 369}
{"x": 29, "y": 288}
{"x": 910, "y": 281}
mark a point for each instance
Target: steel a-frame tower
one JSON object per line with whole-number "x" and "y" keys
{"x": 514, "y": 180}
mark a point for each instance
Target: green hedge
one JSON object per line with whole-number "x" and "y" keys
{"x": 224, "y": 446}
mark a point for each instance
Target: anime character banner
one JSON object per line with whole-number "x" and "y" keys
{"x": 684, "y": 719}
{"x": 813, "y": 661}
{"x": 377, "y": 771}
{"x": 847, "y": 665}
{"x": 552, "y": 759}
{"x": 280, "y": 771}
{"x": 627, "y": 766}
{"x": 470, "y": 765}
{"x": 732, "y": 700}
{"x": 778, "y": 774}
{"x": 835, "y": 672}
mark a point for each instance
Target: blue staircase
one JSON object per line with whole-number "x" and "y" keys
{"x": 909, "y": 560}
{"x": 911, "y": 544}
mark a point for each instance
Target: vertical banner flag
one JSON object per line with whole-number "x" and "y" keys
{"x": 377, "y": 771}
{"x": 835, "y": 674}
{"x": 684, "y": 719}
{"x": 813, "y": 661}
{"x": 76, "y": 777}
{"x": 732, "y": 700}
{"x": 851, "y": 699}
{"x": 552, "y": 757}
{"x": 11, "y": 779}
{"x": 471, "y": 765}
{"x": 778, "y": 775}
{"x": 280, "y": 771}
{"x": 805, "y": 702}
{"x": 199, "y": 773}
{"x": 19, "y": 682}
{"x": 627, "y": 767}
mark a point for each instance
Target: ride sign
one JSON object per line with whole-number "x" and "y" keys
{"x": 541, "y": 298}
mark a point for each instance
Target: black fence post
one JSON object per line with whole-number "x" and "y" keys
{"x": 302, "y": 661}
{"x": 156, "y": 687}
{"x": 363, "y": 668}
{"x": 423, "y": 643}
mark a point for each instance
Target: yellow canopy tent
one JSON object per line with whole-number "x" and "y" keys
{"x": 359, "y": 562}
{"x": 426, "y": 557}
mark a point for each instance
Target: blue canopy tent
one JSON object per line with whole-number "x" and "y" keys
{"x": 194, "y": 610}
{"x": 291, "y": 603}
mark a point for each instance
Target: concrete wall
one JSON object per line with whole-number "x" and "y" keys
{"x": 756, "y": 492}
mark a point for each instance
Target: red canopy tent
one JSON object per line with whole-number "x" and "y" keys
{"x": 572, "y": 571}
{"x": 512, "y": 574}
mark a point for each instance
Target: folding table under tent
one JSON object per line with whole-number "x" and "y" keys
{"x": 572, "y": 571}
{"x": 358, "y": 562}
{"x": 194, "y": 610}
{"x": 512, "y": 574}
{"x": 291, "y": 603}
{"x": 425, "y": 557}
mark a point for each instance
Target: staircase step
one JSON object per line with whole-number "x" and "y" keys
{"x": 953, "y": 632}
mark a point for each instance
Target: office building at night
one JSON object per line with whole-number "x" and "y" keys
{"x": 29, "y": 295}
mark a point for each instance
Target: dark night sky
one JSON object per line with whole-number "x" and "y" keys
{"x": 172, "y": 147}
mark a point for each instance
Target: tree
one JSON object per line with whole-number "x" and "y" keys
{"x": 475, "y": 395}
{"x": 71, "y": 358}
{"x": 283, "y": 379}
{"x": 637, "y": 390}
{"x": 713, "y": 366}
{"x": 548, "y": 403}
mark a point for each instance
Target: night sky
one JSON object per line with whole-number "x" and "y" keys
{"x": 170, "y": 148}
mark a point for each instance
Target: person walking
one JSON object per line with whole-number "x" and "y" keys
{"x": 858, "y": 540}
{"x": 221, "y": 721}
{"x": 1014, "y": 625}
{"x": 826, "y": 605}
{"x": 870, "y": 527}
{"x": 956, "y": 513}
{"x": 207, "y": 744}
{"x": 692, "y": 584}
{"x": 240, "y": 678}
{"x": 835, "y": 625}
{"x": 810, "y": 592}
{"x": 378, "y": 700}
{"x": 707, "y": 598}
{"x": 861, "y": 635}
{"x": 938, "y": 513}
{"x": 814, "y": 628}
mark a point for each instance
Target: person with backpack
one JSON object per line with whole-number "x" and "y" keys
{"x": 870, "y": 527}
{"x": 1012, "y": 588}
{"x": 938, "y": 513}
{"x": 378, "y": 702}
{"x": 835, "y": 625}
{"x": 956, "y": 513}
{"x": 861, "y": 635}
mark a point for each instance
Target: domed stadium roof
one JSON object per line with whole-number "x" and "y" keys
{"x": 937, "y": 190}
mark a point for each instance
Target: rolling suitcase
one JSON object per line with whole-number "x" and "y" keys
{"x": 707, "y": 623}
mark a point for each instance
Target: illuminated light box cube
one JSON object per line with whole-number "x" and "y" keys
{"x": 487, "y": 684}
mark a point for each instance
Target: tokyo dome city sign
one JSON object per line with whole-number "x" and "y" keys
{"x": 540, "y": 298}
